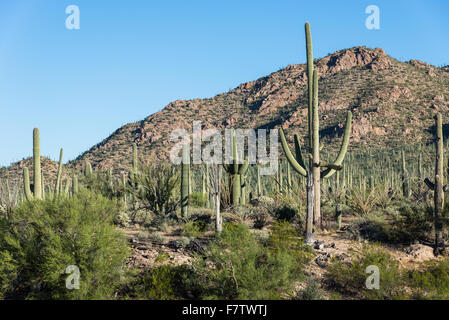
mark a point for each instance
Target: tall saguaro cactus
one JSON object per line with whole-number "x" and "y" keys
{"x": 37, "y": 164}
{"x": 236, "y": 171}
{"x": 437, "y": 186}
{"x": 404, "y": 176}
{"x": 58, "y": 187}
{"x": 313, "y": 173}
{"x": 135, "y": 159}
{"x": 26, "y": 184}
{"x": 185, "y": 169}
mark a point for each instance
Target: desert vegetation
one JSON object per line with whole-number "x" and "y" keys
{"x": 149, "y": 229}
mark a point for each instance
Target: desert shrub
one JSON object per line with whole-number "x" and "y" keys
{"x": 260, "y": 218}
{"x": 414, "y": 222}
{"x": 9, "y": 196}
{"x": 287, "y": 209}
{"x": 432, "y": 282}
{"x": 312, "y": 291}
{"x": 158, "y": 189}
{"x": 157, "y": 237}
{"x": 284, "y": 237}
{"x": 165, "y": 282}
{"x": 361, "y": 201}
{"x": 197, "y": 199}
{"x": 143, "y": 235}
{"x": 122, "y": 219}
{"x": 238, "y": 266}
{"x": 42, "y": 238}
{"x": 350, "y": 277}
{"x": 202, "y": 215}
{"x": 371, "y": 227}
{"x": 239, "y": 215}
{"x": 285, "y": 213}
{"x": 182, "y": 242}
{"x": 194, "y": 229}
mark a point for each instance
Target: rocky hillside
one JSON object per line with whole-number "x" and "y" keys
{"x": 393, "y": 103}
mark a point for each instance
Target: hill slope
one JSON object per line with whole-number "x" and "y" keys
{"x": 393, "y": 103}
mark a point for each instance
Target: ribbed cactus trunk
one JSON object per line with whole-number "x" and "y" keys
{"x": 67, "y": 186}
{"x": 313, "y": 171}
{"x": 37, "y": 175}
{"x": 26, "y": 184}
{"x": 316, "y": 172}
{"x": 259, "y": 186}
{"x": 88, "y": 169}
{"x": 75, "y": 187}
{"x": 243, "y": 190}
{"x": 236, "y": 170}
{"x": 185, "y": 168}
{"x": 405, "y": 187}
{"x": 58, "y": 186}
{"x": 439, "y": 195}
{"x": 135, "y": 159}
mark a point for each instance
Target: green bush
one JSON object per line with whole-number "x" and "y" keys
{"x": 166, "y": 282}
{"x": 238, "y": 266}
{"x": 350, "y": 277}
{"x": 431, "y": 283}
{"x": 312, "y": 291}
{"x": 197, "y": 199}
{"x": 194, "y": 229}
{"x": 415, "y": 222}
{"x": 42, "y": 238}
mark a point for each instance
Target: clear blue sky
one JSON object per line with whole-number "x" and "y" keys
{"x": 131, "y": 58}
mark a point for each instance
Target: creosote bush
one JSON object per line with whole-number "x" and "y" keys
{"x": 350, "y": 277}
{"x": 42, "y": 238}
{"x": 238, "y": 266}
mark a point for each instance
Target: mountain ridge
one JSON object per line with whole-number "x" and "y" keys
{"x": 392, "y": 102}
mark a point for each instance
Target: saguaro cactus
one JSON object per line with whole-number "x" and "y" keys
{"x": 75, "y": 187}
{"x": 313, "y": 172}
{"x": 185, "y": 168}
{"x": 88, "y": 170}
{"x": 135, "y": 159}
{"x": 37, "y": 164}
{"x": 26, "y": 185}
{"x": 236, "y": 170}
{"x": 437, "y": 186}
{"x": 58, "y": 186}
{"x": 404, "y": 177}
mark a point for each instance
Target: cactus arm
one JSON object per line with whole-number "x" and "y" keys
{"x": 227, "y": 167}
{"x": 26, "y": 184}
{"x": 296, "y": 166}
{"x": 243, "y": 167}
{"x": 235, "y": 158}
{"x": 332, "y": 166}
{"x": 344, "y": 147}
{"x": 298, "y": 152}
{"x": 429, "y": 184}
